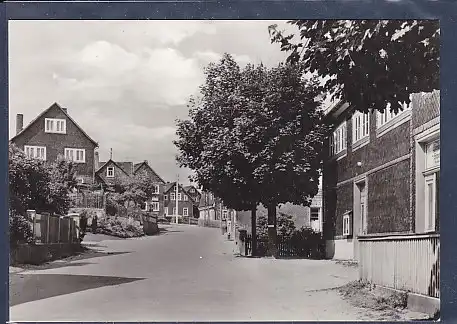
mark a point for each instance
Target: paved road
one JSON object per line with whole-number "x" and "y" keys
{"x": 186, "y": 274}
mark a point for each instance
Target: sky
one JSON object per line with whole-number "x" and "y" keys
{"x": 126, "y": 82}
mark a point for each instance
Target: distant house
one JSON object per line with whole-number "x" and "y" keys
{"x": 53, "y": 134}
{"x": 196, "y": 195}
{"x": 186, "y": 202}
{"x": 111, "y": 172}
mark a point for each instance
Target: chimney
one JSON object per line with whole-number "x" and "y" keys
{"x": 65, "y": 109}
{"x": 97, "y": 160}
{"x": 19, "y": 123}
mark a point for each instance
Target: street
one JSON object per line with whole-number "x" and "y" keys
{"x": 187, "y": 273}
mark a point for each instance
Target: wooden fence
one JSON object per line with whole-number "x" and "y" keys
{"x": 285, "y": 247}
{"x": 406, "y": 262}
{"x": 87, "y": 200}
{"x": 48, "y": 228}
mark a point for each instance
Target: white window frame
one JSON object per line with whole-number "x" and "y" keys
{"x": 55, "y": 125}
{"x": 35, "y": 152}
{"x": 347, "y": 224}
{"x": 165, "y": 197}
{"x": 224, "y": 214}
{"x": 108, "y": 173}
{"x": 165, "y": 211}
{"x": 185, "y": 211}
{"x": 72, "y": 154}
{"x": 360, "y": 126}
{"x": 311, "y": 213}
{"x": 430, "y": 219}
{"x": 155, "y": 206}
{"x": 179, "y": 196}
{"x": 156, "y": 189}
{"x": 388, "y": 120}
{"x": 185, "y": 197}
{"x": 338, "y": 140}
{"x": 174, "y": 211}
{"x": 145, "y": 206}
{"x": 172, "y": 196}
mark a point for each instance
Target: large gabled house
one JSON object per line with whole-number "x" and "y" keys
{"x": 110, "y": 172}
{"x": 186, "y": 202}
{"x": 196, "y": 195}
{"x": 53, "y": 134}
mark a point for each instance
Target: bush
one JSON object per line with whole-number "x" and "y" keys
{"x": 120, "y": 227}
{"x": 19, "y": 230}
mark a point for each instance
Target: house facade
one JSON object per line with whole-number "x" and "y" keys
{"x": 54, "y": 134}
{"x": 377, "y": 174}
{"x": 111, "y": 172}
{"x": 185, "y": 201}
{"x": 196, "y": 196}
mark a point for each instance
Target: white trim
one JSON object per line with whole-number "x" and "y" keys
{"x": 172, "y": 196}
{"x": 428, "y": 135}
{"x": 108, "y": 172}
{"x": 179, "y": 196}
{"x": 399, "y": 119}
{"x": 55, "y": 126}
{"x": 360, "y": 127}
{"x": 165, "y": 197}
{"x": 75, "y": 155}
{"x": 338, "y": 140}
{"x": 165, "y": 211}
{"x": 185, "y": 197}
{"x": 156, "y": 189}
{"x": 155, "y": 206}
{"x": 35, "y": 152}
{"x": 185, "y": 211}
{"x": 430, "y": 182}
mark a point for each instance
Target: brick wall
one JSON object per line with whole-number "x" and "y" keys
{"x": 56, "y": 143}
{"x": 426, "y": 106}
{"x": 389, "y": 199}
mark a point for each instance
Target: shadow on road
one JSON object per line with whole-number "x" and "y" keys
{"x": 164, "y": 231}
{"x": 29, "y": 287}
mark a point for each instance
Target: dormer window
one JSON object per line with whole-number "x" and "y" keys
{"x": 110, "y": 172}
{"x": 54, "y": 125}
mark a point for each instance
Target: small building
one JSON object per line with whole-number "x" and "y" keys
{"x": 196, "y": 195}
{"x": 54, "y": 134}
{"x": 186, "y": 202}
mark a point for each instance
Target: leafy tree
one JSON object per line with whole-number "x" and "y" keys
{"x": 134, "y": 190}
{"x": 254, "y": 136}
{"x": 212, "y": 142}
{"x": 373, "y": 64}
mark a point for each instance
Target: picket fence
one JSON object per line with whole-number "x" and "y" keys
{"x": 48, "y": 228}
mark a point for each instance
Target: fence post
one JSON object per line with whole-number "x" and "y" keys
{"x": 58, "y": 230}
{"x": 47, "y": 228}
{"x": 69, "y": 230}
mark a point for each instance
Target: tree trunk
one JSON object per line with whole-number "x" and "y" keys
{"x": 272, "y": 235}
{"x": 254, "y": 230}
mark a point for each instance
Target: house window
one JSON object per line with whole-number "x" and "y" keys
{"x": 36, "y": 152}
{"x": 431, "y": 178}
{"x": 179, "y": 196}
{"x": 185, "y": 211}
{"x": 192, "y": 190}
{"x": 224, "y": 214}
{"x": 314, "y": 214}
{"x": 110, "y": 172}
{"x": 172, "y": 196}
{"x": 155, "y": 206}
{"x": 387, "y": 115}
{"x": 360, "y": 126}
{"x": 165, "y": 210}
{"x": 186, "y": 198}
{"x": 174, "y": 210}
{"x": 338, "y": 141}
{"x": 155, "y": 189}
{"x": 145, "y": 206}
{"x": 165, "y": 197}
{"x": 75, "y": 155}
{"x": 53, "y": 125}
{"x": 346, "y": 225}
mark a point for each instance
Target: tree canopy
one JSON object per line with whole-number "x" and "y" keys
{"x": 372, "y": 64}
{"x": 255, "y": 135}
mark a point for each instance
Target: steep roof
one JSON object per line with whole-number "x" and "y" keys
{"x": 137, "y": 166}
{"x": 118, "y": 164}
{"x": 66, "y": 114}
{"x": 170, "y": 185}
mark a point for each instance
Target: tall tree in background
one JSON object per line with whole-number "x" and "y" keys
{"x": 255, "y": 135}
{"x": 373, "y": 63}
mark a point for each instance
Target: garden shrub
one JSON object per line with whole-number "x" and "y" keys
{"x": 120, "y": 227}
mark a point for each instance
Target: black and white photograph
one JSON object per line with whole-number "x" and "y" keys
{"x": 224, "y": 170}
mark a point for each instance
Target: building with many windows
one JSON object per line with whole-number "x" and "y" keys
{"x": 186, "y": 202}
{"x": 53, "y": 134}
{"x": 381, "y": 176}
